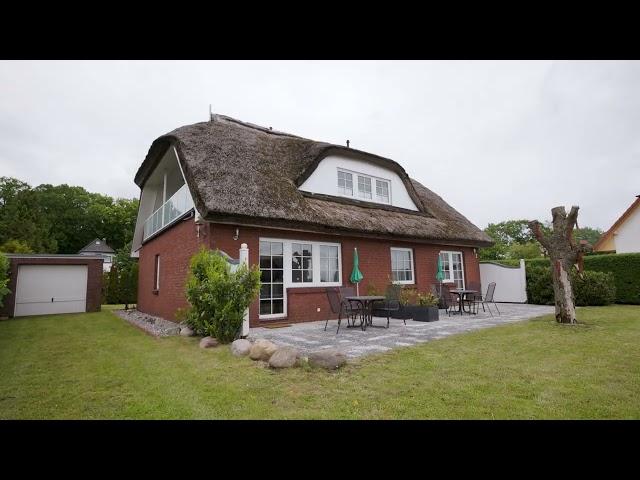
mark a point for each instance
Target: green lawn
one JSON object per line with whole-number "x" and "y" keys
{"x": 98, "y": 366}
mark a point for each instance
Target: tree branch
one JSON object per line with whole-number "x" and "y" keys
{"x": 572, "y": 220}
{"x": 534, "y": 226}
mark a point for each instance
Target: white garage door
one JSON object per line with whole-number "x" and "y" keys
{"x": 44, "y": 289}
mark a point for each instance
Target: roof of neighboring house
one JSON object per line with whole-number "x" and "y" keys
{"x": 623, "y": 218}
{"x": 97, "y": 246}
{"x": 242, "y": 173}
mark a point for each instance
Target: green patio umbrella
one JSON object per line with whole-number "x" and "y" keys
{"x": 440, "y": 273}
{"x": 356, "y": 274}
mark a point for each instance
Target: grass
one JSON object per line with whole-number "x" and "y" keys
{"x": 98, "y": 366}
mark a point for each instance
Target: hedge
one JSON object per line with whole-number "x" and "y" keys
{"x": 625, "y": 268}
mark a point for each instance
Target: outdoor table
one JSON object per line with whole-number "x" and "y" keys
{"x": 461, "y": 293}
{"x": 367, "y": 302}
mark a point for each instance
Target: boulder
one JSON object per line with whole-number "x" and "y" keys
{"x": 187, "y": 332}
{"x": 329, "y": 359}
{"x": 208, "y": 342}
{"x": 284, "y": 357}
{"x": 240, "y": 347}
{"x": 262, "y": 350}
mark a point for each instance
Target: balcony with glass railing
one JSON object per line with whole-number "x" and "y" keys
{"x": 179, "y": 204}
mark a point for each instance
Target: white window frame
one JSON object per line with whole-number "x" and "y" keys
{"x": 287, "y": 270}
{"x": 356, "y": 189}
{"x": 344, "y": 172}
{"x": 157, "y": 273}
{"x": 449, "y": 273}
{"x": 413, "y": 269}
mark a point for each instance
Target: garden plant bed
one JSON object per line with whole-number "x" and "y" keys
{"x": 156, "y": 326}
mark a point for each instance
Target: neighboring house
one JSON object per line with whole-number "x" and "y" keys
{"x": 301, "y": 206}
{"x": 624, "y": 234}
{"x": 99, "y": 248}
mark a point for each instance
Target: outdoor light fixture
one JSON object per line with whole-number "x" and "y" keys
{"x": 235, "y": 237}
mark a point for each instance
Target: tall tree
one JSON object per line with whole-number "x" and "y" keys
{"x": 564, "y": 253}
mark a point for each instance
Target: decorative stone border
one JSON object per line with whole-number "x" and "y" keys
{"x": 156, "y": 326}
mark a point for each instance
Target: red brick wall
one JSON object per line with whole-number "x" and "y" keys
{"x": 94, "y": 279}
{"x": 176, "y": 246}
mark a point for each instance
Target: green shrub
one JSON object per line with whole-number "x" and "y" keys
{"x": 594, "y": 288}
{"x": 624, "y": 266}
{"x": 539, "y": 284}
{"x": 4, "y": 277}
{"x": 219, "y": 297}
{"x": 626, "y": 271}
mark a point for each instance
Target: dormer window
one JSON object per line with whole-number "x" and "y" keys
{"x": 382, "y": 191}
{"x": 364, "y": 187}
{"x": 368, "y": 187}
{"x": 345, "y": 183}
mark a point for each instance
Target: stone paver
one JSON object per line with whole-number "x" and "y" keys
{"x": 309, "y": 337}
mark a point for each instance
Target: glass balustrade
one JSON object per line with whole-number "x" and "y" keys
{"x": 179, "y": 203}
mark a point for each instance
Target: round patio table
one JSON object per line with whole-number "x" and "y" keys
{"x": 366, "y": 301}
{"x": 461, "y": 292}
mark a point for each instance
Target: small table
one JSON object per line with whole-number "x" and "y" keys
{"x": 461, "y": 293}
{"x": 367, "y": 302}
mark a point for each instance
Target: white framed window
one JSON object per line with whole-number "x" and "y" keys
{"x": 402, "y": 265}
{"x": 364, "y": 187}
{"x": 345, "y": 183}
{"x": 382, "y": 191}
{"x": 452, "y": 267}
{"x": 288, "y": 263}
{"x": 329, "y": 264}
{"x": 367, "y": 187}
{"x": 156, "y": 274}
{"x": 301, "y": 263}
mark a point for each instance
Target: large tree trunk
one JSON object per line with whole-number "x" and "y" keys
{"x": 564, "y": 254}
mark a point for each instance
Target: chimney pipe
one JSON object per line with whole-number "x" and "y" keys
{"x": 347, "y": 143}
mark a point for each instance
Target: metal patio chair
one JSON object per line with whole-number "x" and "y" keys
{"x": 488, "y": 298}
{"x": 341, "y": 306}
{"x": 391, "y": 303}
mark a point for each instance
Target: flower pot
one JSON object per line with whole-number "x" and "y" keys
{"x": 421, "y": 314}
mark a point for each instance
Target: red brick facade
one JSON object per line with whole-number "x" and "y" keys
{"x": 176, "y": 245}
{"x": 94, "y": 279}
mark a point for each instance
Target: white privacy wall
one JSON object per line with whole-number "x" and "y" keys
{"x": 511, "y": 282}
{"x": 325, "y": 179}
{"x": 627, "y": 238}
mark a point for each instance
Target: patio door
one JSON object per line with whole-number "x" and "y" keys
{"x": 273, "y": 302}
{"x": 453, "y": 268}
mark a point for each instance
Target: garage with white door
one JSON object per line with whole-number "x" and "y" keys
{"x": 44, "y": 285}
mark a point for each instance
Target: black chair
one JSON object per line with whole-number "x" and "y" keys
{"x": 473, "y": 299}
{"x": 450, "y": 301}
{"x": 391, "y": 303}
{"x": 488, "y": 298}
{"x": 341, "y": 306}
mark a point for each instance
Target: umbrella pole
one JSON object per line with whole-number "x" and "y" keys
{"x": 357, "y": 289}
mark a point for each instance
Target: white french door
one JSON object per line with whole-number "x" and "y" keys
{"x": 453, "y": 268}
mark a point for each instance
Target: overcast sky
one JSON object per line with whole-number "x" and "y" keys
{"x": 497, "y": 140}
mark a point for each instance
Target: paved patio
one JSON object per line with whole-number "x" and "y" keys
{"x": 310, "y": 336}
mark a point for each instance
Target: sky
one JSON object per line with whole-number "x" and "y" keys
{"x": 498, "y": 140}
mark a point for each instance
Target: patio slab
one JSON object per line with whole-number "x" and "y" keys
{"x": 311, "y": 336}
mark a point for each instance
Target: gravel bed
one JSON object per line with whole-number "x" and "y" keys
{"x": 156, "y": 326}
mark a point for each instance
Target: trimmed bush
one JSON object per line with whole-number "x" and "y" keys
{"x": 4, "y": 277}
{"x": 626, "y": 271}
{"x": 219, "y": 297}
{"x": 625, "y": 268}
{"x": 594, "y": 288}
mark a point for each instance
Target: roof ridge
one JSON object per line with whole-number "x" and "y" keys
{"x": 269, "y": 130}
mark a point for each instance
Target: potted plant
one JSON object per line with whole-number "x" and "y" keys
{"x": 421, "y": 307}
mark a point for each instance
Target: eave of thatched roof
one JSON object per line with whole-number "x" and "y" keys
{"x": 239, "y": 172}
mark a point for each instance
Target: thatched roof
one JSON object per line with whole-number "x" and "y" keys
{"x": 246, "y": 174}
{"x": 97, "y": 246}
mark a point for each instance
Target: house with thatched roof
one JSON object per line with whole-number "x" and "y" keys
{"x": 302, "y": 207}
